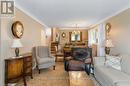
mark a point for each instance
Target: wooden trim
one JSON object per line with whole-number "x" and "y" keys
{"x": 80, "y": 36}
{"x": 70, "y": 36}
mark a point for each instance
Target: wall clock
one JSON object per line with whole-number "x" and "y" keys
{"x": 17, "y": 29}
{"x": 108, "y": 27}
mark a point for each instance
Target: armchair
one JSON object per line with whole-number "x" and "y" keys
{"x": 82, "y": 60}
{"x": 43, "y": 58}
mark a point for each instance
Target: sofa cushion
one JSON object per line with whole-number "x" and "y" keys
{"x": 125, "y": 83}
{"x": 112, "y": 75}
{"x": 98, "y": 61}
{"x": 113, "y": 61}
{"x": 125, "y": 62}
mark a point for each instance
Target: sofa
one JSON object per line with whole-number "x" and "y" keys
{"x": 108, "y": 76}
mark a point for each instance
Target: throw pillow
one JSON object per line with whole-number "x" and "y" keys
{"x": 113, "y": 62}
{"x": 125, "y": 64}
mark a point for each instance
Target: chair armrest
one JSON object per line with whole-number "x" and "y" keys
{"x": 37, "y": 58}
{"x": 88, "y": 61}
{"x": 51, "y": 56}
{"x": 98, "y": 61}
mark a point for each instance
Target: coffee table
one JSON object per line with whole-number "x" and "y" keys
{"x": 79, "y": 78}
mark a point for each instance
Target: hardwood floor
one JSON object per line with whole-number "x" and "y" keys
{"x": 79, "y": 78}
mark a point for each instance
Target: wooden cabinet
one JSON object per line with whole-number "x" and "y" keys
{"x": 28, "y": 65}
{"x": 18, "y": 68}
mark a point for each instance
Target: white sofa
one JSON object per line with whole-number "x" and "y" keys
{"x": 108, "y": 76}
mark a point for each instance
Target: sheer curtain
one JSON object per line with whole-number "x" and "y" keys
{"x": 101, "y": 40}
{"x": 96, "y": 35}
{"x": 92, "y": 36}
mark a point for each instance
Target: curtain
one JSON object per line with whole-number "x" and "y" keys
{"x": 101, "y": 40}
{"x": 97, "y": 35}
{"x": 92, "y": 36}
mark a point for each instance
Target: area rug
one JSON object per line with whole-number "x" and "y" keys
{"x": 50, "y": 77}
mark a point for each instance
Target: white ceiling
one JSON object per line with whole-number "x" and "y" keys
{"x": 68, "y": 13}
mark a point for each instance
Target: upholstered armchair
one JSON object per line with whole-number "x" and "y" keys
{"x": 82, "y": 60}
{"x": 43, "y": 57}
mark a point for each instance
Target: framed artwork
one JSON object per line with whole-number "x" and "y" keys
{"x": 63, "y": 34}
{"x": 17, "y": 29}
{"x": 108, "y": 27}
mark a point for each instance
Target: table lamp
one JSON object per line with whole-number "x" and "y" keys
{"x": 108, "y": 45}
{"x": 16, "y": 44}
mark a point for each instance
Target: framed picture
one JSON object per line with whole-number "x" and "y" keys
{"x": 63, "y": 34}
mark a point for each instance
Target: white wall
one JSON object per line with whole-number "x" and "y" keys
{"x": 120, "y": 32}
{"x": 32, "y": 37}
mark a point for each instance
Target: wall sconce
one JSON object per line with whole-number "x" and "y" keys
{"x": 48, "y": 32}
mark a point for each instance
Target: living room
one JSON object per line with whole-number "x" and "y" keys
{"x": 106, "y": 35}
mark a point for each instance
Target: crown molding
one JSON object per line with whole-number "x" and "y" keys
{"x": 30, "y": 15}
{"x": 105, "y": 19}
{"x": 73, "y": 28}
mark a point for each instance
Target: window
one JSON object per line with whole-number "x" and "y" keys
{"x": 92, "y": 36}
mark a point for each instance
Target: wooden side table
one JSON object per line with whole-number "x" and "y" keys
{"x": 18, "y": 68}
{"x": 27, "y": 65}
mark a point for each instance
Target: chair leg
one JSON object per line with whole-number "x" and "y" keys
{"x": 31, "y": 76}
{"x": 38, "y": 69}
{"x": 53, "y": 67}
{"x": 56, "y": 58}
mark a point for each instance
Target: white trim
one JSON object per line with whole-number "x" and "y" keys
{"x": 30, "y": 15}
{"x": 73, "y": 28}
{"x": 114, "y": 14}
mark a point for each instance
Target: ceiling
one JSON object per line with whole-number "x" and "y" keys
{"x": 68, "y": 13}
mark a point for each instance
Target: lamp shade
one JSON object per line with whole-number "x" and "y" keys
{"x": 16, "y": 43}
{"x": 109, "y": 43}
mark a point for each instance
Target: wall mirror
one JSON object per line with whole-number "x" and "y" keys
{"x": 75, "y": 36}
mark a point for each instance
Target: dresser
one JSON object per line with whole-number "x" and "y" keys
{"x": 18, "y": 68}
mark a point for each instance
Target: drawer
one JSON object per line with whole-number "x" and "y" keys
{"x": 28, "y": 70}
{"x": 28, "y": 64}
{"x": 28, "y": 59}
